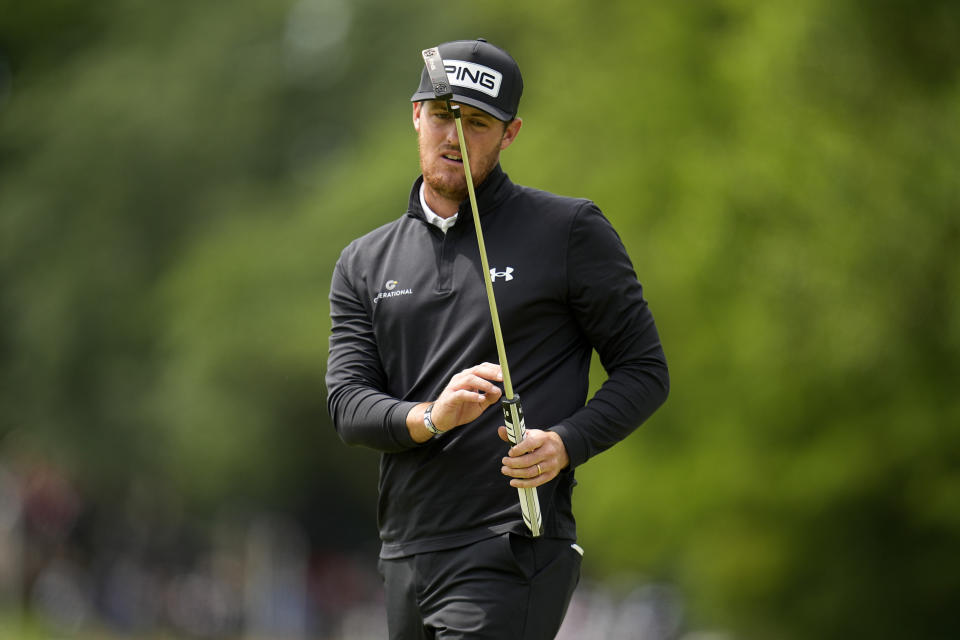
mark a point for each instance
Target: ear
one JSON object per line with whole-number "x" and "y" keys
{"x": 510, "y": 133}
{"x": 416, "y": 115}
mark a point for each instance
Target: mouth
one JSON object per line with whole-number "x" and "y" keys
{"x": 452, "y": 157}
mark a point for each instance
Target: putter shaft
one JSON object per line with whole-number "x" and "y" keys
{"x": 487, "y": 281}
{"x": 512, "y": 413}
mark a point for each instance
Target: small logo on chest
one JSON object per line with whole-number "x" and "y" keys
{"x": 506, "y": 274}
{"x": 391, "y": 291}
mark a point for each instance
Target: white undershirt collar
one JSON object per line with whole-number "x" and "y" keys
{"x": 441, "y": 223}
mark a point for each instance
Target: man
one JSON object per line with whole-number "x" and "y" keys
{"x": 411, "y": 372}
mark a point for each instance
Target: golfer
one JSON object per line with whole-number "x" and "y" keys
{"x": 413, "y": 373}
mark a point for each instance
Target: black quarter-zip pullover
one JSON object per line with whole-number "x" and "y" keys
{"x": 409, "y": 310}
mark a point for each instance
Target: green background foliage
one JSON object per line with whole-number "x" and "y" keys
{"x": 177, "y": 180}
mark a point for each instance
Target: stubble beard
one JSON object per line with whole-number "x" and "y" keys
{"x": 451, "y": 185}
{"x": 443, "y": 184}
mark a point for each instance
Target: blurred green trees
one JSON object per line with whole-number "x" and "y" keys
{"x": 177, "y": 180}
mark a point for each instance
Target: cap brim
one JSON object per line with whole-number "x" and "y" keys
{"x": 419, "y": 96}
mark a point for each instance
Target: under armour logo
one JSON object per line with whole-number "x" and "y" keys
{"x": 506, "y": 275}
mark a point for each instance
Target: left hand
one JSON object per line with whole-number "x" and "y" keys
{"x": 534, "y": 461}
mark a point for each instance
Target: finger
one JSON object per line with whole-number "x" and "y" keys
{"x": 526, "y": 461}
{"x": 486, "y": 398}
{"x": 494, "y": 396}
{"x": 493, "y": 393}
{"x": 469, "y": 396}
{"x": 502, "y": 432}
{"x": 489, "y": 370}
{"x": 533, "y": 479}
{"x": 523, "y": 473}
{"x": 474, "y": 383}
{"x": 529, "y": 444}
{"x": 532, "y": 482}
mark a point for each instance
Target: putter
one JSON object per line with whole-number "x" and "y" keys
{"x": 512, "y": 412}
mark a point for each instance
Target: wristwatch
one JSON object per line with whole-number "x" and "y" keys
{"x": 428, "y": 423}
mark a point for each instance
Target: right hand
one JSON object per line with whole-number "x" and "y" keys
{"x": 467, "y": 395}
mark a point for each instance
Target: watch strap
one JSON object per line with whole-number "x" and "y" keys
{"x": 428, "y": 422}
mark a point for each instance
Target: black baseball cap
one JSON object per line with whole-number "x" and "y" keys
{"x": 481, "y": 75}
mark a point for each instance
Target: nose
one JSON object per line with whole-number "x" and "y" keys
{"x": 451, "y": 133}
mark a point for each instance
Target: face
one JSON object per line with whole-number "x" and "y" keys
{"x": 440, "y": 158}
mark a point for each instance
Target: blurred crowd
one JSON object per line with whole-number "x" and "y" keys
{"x": 68, "y": 573}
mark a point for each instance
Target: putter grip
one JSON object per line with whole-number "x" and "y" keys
{"x": 513, "y": 419}
{"x": 516, "y": 431}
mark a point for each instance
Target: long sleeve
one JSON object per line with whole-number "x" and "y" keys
{"x": 363, "y": 413}
{"x": 409, "y": 310}
{"x": 608, "y": 302}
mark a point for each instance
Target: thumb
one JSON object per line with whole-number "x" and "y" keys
{"x": 502, "y": 432}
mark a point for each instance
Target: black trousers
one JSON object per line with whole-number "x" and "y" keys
{"x": 508, "y": 587}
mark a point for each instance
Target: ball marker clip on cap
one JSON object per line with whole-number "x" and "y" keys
{"x": 477, "y": 74}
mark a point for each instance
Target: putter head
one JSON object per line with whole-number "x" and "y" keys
{"x": 437, "y": 73}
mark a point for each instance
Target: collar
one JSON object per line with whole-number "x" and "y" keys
{"x": 441, "y": 223}
{"x": 490, "y": 194}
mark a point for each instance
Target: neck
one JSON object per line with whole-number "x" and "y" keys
{"x": 441, "y": 205}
